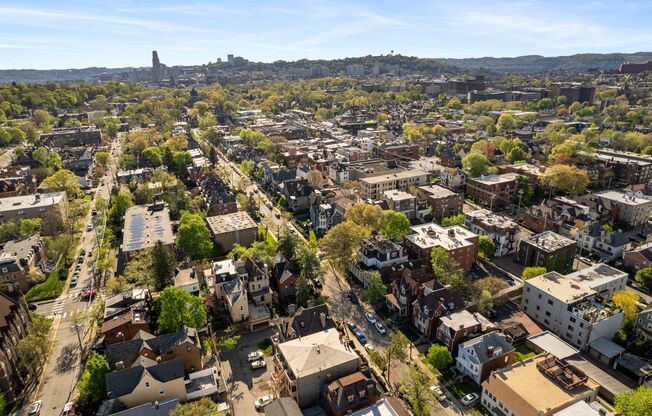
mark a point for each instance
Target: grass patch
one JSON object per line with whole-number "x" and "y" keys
{"x": 462, "y": 388}
{"x": 522, "y": 353}
{"x": 268, "y": 351}
{"x": 51, "y": 288}
{"x": 88, "y": 197}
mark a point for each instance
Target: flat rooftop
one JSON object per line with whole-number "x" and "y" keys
{"x": 434, "y": 235}
{"x": 394, "y": 176}
{"x": 145, "y": 226}
{"x": 596, "y": 275}
{"x": 486, "y": 218}
{"x": 436, "y": 191}
{"x": 550, "y": 241}
{"x": 625, "y": 198}
{"x": 560, "y": 287}
{"x": 14, "y": 203}
{"x": 228, "y": 223}
{"x": 396, "y": 195}
{"x": 495, "y": 179}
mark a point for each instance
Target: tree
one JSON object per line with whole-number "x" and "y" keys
{"x": 439, "y": 357}
{"x": 3, "y": 405}
{"x": 315, "y": 179}
{"x": 341, "y": 243}
{"x": 92, "y": 387}
{"x": 116, "y": 285}
{"x": 103, "y": 159}
{"x": 446, "y": 269}
{"x": 491, "y": 284}
{"x": 179, "y": 307}
{"x": 31, "y": 351}
{"x": 163, "y": 264}
{"x": 644, "y": 277}
{"x": 30, "y": 226}
{"x": 396, "y": 350}
{"x": 139, "y": 270}
{"x": 525, "y": 190}
{"x": 307, "y": 258}
{"x": 375, "y": 289}
{"x": 302, "y": 293}
{"x": 506, "y": 122}
{"x": 118, "y": 205}
{"x": 177, "y": 142}
{"x": 417, "y": 391}
{"x": 475, "y": 164}
{"x": 204, "y": 407}
{"x": 530, "y": 272}
{"x": 453, "y": 220}
{"x": 63, "y": 180}
{"x": 247, "y": 167}
{"x": 365, "y": 215}
{"x": 43, "y": 119}
{"x": 395, "y": 225}
{"x": 627, "y": 302}
{"x": 566, "y": 178}
{"x": 194, "y": 238}
{"x": 635, "y": 402}
{"x": 154, "y": 155}
{"x": 287, "y": 244}
{"x": 486, "y": 246}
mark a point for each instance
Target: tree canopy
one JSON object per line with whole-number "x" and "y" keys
{"x": 179, "y": 307}
{"x": 194, "y": 237}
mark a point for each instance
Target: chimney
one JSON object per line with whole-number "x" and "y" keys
{"x": 120, "y": 365}
{"x": 490, "y": 351}
{"x": 322, "y": 317}
{"x": 158, "y": 359}
{"x": 156, "y": 406}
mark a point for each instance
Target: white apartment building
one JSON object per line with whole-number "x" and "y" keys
{"x": 374, "y": 186}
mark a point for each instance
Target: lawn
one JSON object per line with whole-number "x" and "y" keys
{"x": 464, "y": 387}
{"x": 522, "y": 353}
{"x": 51, "y": 288}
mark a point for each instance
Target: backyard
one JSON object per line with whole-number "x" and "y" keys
{"x": 522, "y": 353}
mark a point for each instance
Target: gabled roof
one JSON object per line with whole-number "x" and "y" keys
{"x": 122, "y": 382}
{"x": 488, "y": 346}
{"x": 307, "y": 321}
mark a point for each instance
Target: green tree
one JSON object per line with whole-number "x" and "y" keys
{"x": 194, "y": 238}
{"x": 63, "y": 180}
{"x": 154, "y": 155}
{"x": 395, "y": 225}
{"x": 30, "y": 226}
{"x": 179, "y": 307}
{"x": 204, "y": 407}
{"x": 446, "y": 269}
{"x": 163, "y": 264}
{"x": 530, "y": 272}
{"x": 342, "y": 242}
{"x": 91, "y": 387}
{"x": 247, "y": 167}
{"x": 525, "y": 190}
{"x": 288, "y": 244}
{"x": 453, "y": 220}
{"x": 302, "y": 293}
{"x": 644, "y": 277}
{"x": 307, "y": 258}
{"x": 439, "y": 357}
{"x": 486, "y": 246}
{"x": 396, "y": 350}
{"x": 635, "y": 402}
{"x": 118, "y": 205}
{"x": 417, "y": 391}
{"x": 375, "y": 289}
{"x": 103, "y": 159}
{"x": 627, "y": 302}
{"x": 365, "y": 215}
{"x": 475, "y": 164}
{"x": 569, "y": 179}
{"x": 506, "y": 122}
{"x": 3, "y": 405}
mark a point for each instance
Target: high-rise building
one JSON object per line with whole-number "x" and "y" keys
{"x": 156, "y": 67}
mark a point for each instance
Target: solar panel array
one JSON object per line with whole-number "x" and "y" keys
{"x": 137, "y": 228}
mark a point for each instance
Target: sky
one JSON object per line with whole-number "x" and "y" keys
{"x": 118, "y": 33}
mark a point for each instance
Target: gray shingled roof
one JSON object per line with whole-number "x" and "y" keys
{"x": 123, "y": 382}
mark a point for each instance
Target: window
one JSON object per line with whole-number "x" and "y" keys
{"x": 550, "y": 302}
{"x": 538, "y": 307}
{"x": 581, "y": 324}
{"x": 527, "y": 300}
{"x": 547, "y": 313}
{"x": 572, "y": 319}
{"x": 539, "y": 295}
{"x": 147, "y": 384}
{"x": 161, "y": 392}
{"x": 545, "y": 321}
{"x": 570, "y": 328}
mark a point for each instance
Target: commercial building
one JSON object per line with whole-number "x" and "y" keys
{"x": 493, "y": 190}
{"x": 374, "y": 186}
{"x": 460, "y": 243}
{"x": 144, "y": 226}
{"x": 51, "y": 208}
{"x": 503, "y": 231}
{"x": 303, "y": 365}
{"x": 442, "y": 201}
{"x": 569, "y": 310}
{"x": 538, "y": 386}
{"x": 234, "y": 228}
{"x": 547, "y": 249}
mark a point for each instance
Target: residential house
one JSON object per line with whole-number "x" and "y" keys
{"x": 16, "y": 181}
{"x": 186, "y": 279}
{"x": 305, "y": 322}
{"x": 453, "y": 178}
{"x": 18, "y": 258}
{"x": 539, "y": 386}
{"x": 442, "y": 201}
{"x": 338, "y": 172}
{"x": 547, "y": 249}
{"x": 218, "y": 197}
{"x": 303, "y": 365}
{"x": 479, "y": 356}
{"x": 280, "y": 176}
{"x": 297, "y": 194}
{"x": 638, "y": 258}
{"x": 410, "y": 285}
{"x": 283, "y": 406}
{"x": 14, "y": 319}
{"x": 401, "y": 201}
{"x": 324, "y": 216}
{"x": 388, "y": 405}
{"x": 230, "y": 229}
{"x": 431, "y": 306}
{"x": 643, "y": 324}
{"x": 125, "y": 325}
{"x": 157, "y": 408}
{"x": 284, "y": 275}
{"x": 255, "y": 276}
{"x": 504, "y": 232}
{"x": 608, "y": 245}
{"x": 377, "y": 253}
{"x": 450, "y": 159}
{"x": 456, "y": 327}
{"x": 493, "y": 190}
{"x": 631, "y": 208}
{"x": 460, "y": 243}
{"x": 350, "y": 393}
{"x": 51, "y": 208}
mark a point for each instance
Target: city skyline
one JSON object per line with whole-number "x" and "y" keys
{"x": 56, "y": 34}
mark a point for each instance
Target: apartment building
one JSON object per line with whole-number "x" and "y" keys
{"x": 401, "y": 201}
{"x": 460, "y": 243}
{"x": 628, "y": 168}
{"x": 374, "y": 186}
{"x": 144, "y": 226}
{"x": 51, "y": 208}
{"x": 547, "y": 249}
{"x": 230, "y": 229}
{"x": 442, "y": 201}
{"x": 14, "y": 318}
{"x": 569, "y": 310}
{"x": 503, "y": 231}
{"x": 632, "y": 208}
{"x": 602, "y": 278}
{"x": 493, "y": 191}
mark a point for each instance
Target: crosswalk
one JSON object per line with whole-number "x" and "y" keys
{"x": 57, "y": 308}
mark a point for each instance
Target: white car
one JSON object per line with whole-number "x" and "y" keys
{"x": 255, "y": 365}
{"x": 67, "y": 409}
{"x": 89, "y": 227}
{"x": 35, "y": 408}
{"x": 369, "y": 347}
{"x": 263, "y": 401}
{"x": 380, "y": 328}
{"x": 254, "y": 356}
{"x": 469, "y": 399}
{"x": 371, "y": 318}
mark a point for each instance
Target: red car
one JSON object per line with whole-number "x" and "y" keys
{"x": 88, "y": 294}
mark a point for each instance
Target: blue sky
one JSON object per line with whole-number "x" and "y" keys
{"x": 116, "y": 33}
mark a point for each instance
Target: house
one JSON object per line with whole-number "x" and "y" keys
{"x": 450, "y": 159}
{"x": 16, "y": 181}
{"x": 569, "y": 310}
{"x": 284, "y": 275}
{"x": 373, "y": 186}
{"x": 283, "y": 406}
{"x": 338, "y": 172}
{"x": 349, "y": 393}
{"x": 457, "y": 326}
{"x": 638, "y": 258}
{"x": 218, "y": 197}
{"x": 51, "y": 208}
{"x": 156, "y": 408}
{"x": 255, "y": 276}
{"x": 137, "y": 299}
{"x": 608, "y": 245}
{"x": 186, "y": 279}
{"x": 643, "y": 324}
{"x": 492, "y": 190}
{"x": 504, "y": 232}
{"x": 280, "y": 176}
{"x": 137, "y": 385}
{"x": 304, "y": 322}
{"x": 453, "y": 178}
{"x": 547, "y": 249}
{"x": 539, "y": 386}
{"x": 460, "y": 243}
{"x": 230, "y": 229}
{"x": 303, "y": 365}
{"x": 442, "y": 201}
{"x": 297, "y": 194}
{"x": 144, "y": 226}
{"x": 147, "y": 349}
{"x": 410, "y": 285}
{"x": 389, "y": 406}
{"x": 431, "y": 305}
{"x": 479, "y": 356}
{"x": 324, "y": 216}
{"x": 18, "y": 258}
{"x": 125, "y": 325}
{"x": 377, "y": 253}
{"x": 14, "y": 319}
{"x": 631, "y": 208}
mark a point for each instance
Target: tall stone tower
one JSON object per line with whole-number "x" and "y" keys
{"x": 156, "y": 68}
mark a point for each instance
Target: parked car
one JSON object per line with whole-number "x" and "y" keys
{"x": 89, "y": 294}
{"x": 32, "y": 307}
{"x": 73, "y": 281}
{"x": 68, "y": 409}
{"x": 470, "y": 399}
{"x": 94, "y": 212}
{"x": 35, "y": 408}
{"x": 380, "y": 328}
{"x": 255, "y": 365}
{"x": 370, "y": 318}
{"x": 439, "y": 395}
{"x": 254, "y": 356}
{"x": 352, "y": 326}
{"x": 353, "y": 298}
{"x": 361, "y": 337}
{"x": 263, "y": 401}
{"x": 369, "y": 347}
{"x": 89, "y": 227}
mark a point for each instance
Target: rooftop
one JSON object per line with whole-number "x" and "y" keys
{"x": 596, "y": 275}
{"x": 396, "y": 195}
{"x": 433, "y": 235}
{"x": 550, "y": 241}
{"x": 548, "y": 342}
{"x": 14, "y": 203}
{"x": 626, "y": 198}
{"x": 145, "y": 225}
{"x": 436, "y": 191}
{"x": 495, "y": 179}
{"x": 486, "y": 218}
{"x": 228, "y": 223}
{"x": 560, "y": 287}
{"x": 393, "y": 176}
